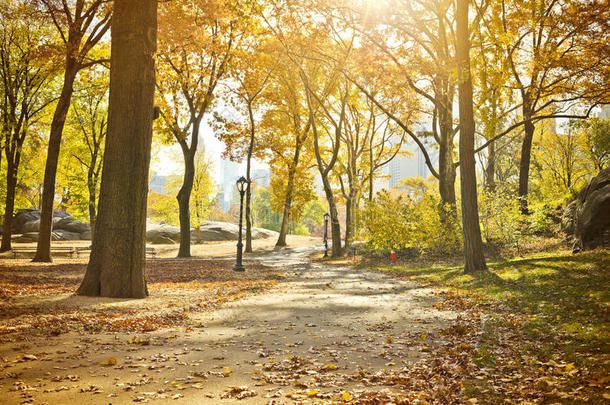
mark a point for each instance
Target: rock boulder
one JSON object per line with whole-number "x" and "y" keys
{"x": 65, "y": 227}
{"x": 210, "y": 232}
{"x": 72, "y": 225}
{"x": 163, "y": 234}
{"x": 63, "y": 234}
{"x": 24, "y": 216}
{"x": 567, "y": 219}
{"x": 29, "y": 237}
{"x": 592, "y": 213}
{"x": 31, "y": 226}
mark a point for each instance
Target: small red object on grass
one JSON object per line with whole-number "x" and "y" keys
{"x": 392, "y": 255}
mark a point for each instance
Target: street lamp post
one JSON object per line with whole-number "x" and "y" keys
{"x": 326, "y": 216}
{"x": 241, "y": 187}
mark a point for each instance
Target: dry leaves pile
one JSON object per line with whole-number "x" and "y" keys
{"x": 177, "y": 288}
{"x": 485, "y": 358}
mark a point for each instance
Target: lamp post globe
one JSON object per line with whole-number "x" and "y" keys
{"x": 241, "y": 184}
{"x": 241, "y": 187}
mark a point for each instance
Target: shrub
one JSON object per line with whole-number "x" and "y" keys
{"x": 501, "y": 221}
{"x": 407, "y": 225}
{"x": 541, "y": 219}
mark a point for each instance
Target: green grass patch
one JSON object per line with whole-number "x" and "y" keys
{"x": 552, "y": 306}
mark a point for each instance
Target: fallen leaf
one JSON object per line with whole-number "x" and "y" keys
{"x": 110, "y": 362}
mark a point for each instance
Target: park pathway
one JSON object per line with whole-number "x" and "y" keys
{"x": 305, "y": 340}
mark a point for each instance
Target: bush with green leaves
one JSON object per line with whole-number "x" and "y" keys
{"x": 540, "y": 221}
{"x": 404, "y": 224}
{"x": 500, "y": 217}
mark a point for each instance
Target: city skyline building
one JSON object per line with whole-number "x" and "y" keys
{"x": 411, "y": 163}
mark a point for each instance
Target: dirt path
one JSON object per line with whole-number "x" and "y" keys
{"x": 321, "y": 335}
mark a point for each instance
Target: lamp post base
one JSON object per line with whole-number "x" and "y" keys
{"x": 239, "y": 267}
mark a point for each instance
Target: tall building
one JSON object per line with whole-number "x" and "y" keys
{"x": 229, "y": 173}
{"x": 262, "y": 177}
{"x": 411, "y": 164}
{"x": 157, "y": 183}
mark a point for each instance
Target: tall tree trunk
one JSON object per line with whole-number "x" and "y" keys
{"x": 91, "y": 183}
{"x": 490, "y": 169}
{"x": 348, "y": 222}
{"x": 248, "y": 247}
{"x": 351, "y": 201}
{"x": 118, "y": 256}
{"x": 474, "y": 260}
{"x": 371, "y": 184}
{"x": 526, "y": 156}
{"x": 184, "y": 202}
{"x": 184, "y": 194}
{"x": 281, "y": 240}
{"x": 9, "y": 206}
{"x": 335, "y": 226}
{"x": 43, "y": 248}
{"x": 249, "y": 186}
{"x": 371, "y": 169}
{"x": 446, "y": 168}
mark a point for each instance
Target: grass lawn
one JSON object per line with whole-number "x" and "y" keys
{"x": 544, "y": 330}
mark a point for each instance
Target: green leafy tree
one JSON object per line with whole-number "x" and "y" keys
{"x": 595, "y": 140}
{"x": 26, "y": 73}
{"x": 163, "y": 207}
{"x": 196, "y": 45}
{"x": 81, "y": 25}
{"x": 87, "y": 126}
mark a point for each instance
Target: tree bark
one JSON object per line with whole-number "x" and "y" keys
{"x": 371, "y": 183}
{"x": 184, "y": 194}
{"x": 12, "y": 150}
{"x": 184, "y": 202}
{"x": 348, "y": 223}
{"x": 474, "y": 261}
{"x": 91, "y": 186}
{"x": 526, "y": 156}
{"x": 249, "y": 186}
{"x": 335, "y": 226}
{"x": 118, "y": 259}
{"x": 9, "y": 206}
{"x": 446, "y": 168}
{"x": 490, "y": 169}
{"x": 281, "y": 240}
{"x": 43, "y": 248}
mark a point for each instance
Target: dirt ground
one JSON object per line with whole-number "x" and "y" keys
{"x": 288, "y": 330}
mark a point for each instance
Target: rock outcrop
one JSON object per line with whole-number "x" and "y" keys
{"x": 27, "y": 223}
{"x": 591, "y": 214}
{"x": 30, "y": 219}
{"x": 568, "y": 217}
{"x": 212, "y": 231}
{"x": 163, "y": 234}
{"x": 60, "y": 234}
{"x": 65, "y": 227}
{"x": 72, "y": 225}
